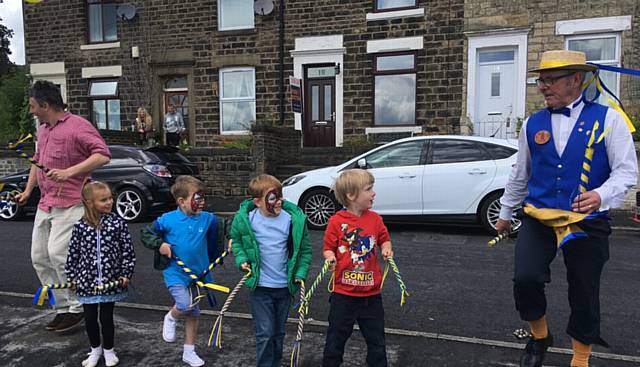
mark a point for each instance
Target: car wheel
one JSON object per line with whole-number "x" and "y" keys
{"x": 9, "y": 209}
{"x": 490, "y": 212}
{"x": 130, "y": 204}
{"x": 318, "y": 205}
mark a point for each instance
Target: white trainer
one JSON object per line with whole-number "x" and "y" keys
{"x": 169, "y": 328}
{"x": 93, "y": 357}
{"x": 110, "y": 358}
{"x": 191, "y": 358}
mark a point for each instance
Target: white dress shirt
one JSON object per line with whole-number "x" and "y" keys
{"x": 620, "y": 152}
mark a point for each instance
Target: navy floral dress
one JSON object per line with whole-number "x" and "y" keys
{"x": 98, "y": 256}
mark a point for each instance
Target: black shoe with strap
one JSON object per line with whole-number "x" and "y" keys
{"x": 535, "y": 350}
{"x": 55, "y": 322}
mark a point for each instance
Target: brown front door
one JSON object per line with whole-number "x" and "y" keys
{"x": 319, "y": 123}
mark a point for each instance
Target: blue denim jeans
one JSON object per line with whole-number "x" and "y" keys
{"x": 270, "y": 309}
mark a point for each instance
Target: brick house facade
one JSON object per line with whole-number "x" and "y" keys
{"x": 503, "y": 39}
{"x": 176, "y": 49}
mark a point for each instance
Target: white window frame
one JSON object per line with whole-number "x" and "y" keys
{"x": 235, "y": 99}
{"x": 221, "y": 16}
{"x": 613, "y": 62}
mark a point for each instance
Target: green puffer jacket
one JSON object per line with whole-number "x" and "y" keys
{"x": 245, "y": 246}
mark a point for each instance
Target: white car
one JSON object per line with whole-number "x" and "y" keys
{"x": 439, "y": 178}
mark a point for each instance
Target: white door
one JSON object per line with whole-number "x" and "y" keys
{"x": 457, "y": 174}
{"x": 398, "y": 171}
{"x": 495, "y": 93}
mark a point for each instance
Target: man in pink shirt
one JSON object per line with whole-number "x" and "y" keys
{"x": 70, "y": 148}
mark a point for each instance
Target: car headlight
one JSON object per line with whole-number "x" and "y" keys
{"x": 293, "y": 180}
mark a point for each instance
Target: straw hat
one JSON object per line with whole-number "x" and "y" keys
{"x": 563, "y": 60}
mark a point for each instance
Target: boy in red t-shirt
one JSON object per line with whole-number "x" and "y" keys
{"x": 350, "y": 243}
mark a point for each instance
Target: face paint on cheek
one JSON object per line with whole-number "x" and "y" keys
{"x": 197, "y": 201}
{"x": 271, "y": 199}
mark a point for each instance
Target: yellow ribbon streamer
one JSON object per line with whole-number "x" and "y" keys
{"x": 561, "y": 221}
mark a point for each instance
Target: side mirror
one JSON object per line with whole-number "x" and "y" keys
{"x": 362, "y": 163}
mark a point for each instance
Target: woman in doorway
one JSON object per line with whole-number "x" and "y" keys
{"x": 144, "y": 126}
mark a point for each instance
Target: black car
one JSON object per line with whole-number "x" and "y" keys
{"x": 139, "y": 179}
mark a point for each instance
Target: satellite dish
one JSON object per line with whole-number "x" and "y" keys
{"x": 263, "y": 7}
{"x": 126, "y": 11}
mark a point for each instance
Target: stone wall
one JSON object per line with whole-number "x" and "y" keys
{"x": 10, "y": 163}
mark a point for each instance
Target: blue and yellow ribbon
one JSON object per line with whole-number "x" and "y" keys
{"x": 563, "y": 222}
{"x": 295, "y": 352}
{"x": 46, "y": 291}
{"x": 195, "y": 279}
{"x": 588, "y": 156}
{"x": 612, "y": 100}
{"x": 304, "y": 301}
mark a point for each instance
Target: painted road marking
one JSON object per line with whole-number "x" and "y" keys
{"x": 390, "y": 331}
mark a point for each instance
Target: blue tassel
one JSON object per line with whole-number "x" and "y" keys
{"x": 52, "y": 299}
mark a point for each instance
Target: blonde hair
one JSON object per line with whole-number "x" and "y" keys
{"x": 147, "y": 118}
{"x": 351, "y": 182}
{"x": 91, "y": 214}
{"x": 184, "y": 184}
{"x": 259, "y": 184}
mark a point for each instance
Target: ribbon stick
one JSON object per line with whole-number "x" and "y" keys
{"x": 107, "y": 286}
{"x": 304, "y": 301}
{"x": 295, "y": 353}
{"x": 46, "y": 291}
{"x": 17, "y": 146}
{"x": 403, "y": 288}
{"x": 198, "y": 282}
{"x": 500, "y": 237}
{"x": 216, "y": 262}
{"x": 216, "y": 331}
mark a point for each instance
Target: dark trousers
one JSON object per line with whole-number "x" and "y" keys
{"x": 584, "y": 259}
{"x": 105, "y": 311}
{"x": 173, "y": 139}
{"x": 344, "y": 311}
{"x": 269, "y": 308}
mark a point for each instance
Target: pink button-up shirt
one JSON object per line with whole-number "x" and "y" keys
{"x": 71, "y": 141}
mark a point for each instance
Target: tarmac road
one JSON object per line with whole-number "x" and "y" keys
{"x": 460, "y": 312}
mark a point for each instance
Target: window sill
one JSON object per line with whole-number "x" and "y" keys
{"x": 100, "y": 46}
{"x": 393, "y": 129}
{"x": 409, "y": 13}
{"x": 235, "y": 32}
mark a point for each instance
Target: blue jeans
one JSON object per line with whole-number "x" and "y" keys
{"x": 270, "y": 309}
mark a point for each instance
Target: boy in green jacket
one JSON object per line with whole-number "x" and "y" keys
{"x": 270, "y": 239}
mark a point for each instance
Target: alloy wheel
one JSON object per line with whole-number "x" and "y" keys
{"x": 318, "y": 208}
{"x": 129, "y": 205}
{"x": 493, "y": 214}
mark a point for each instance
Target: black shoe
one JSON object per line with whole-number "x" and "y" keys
{"x": 533, "y": 355}
{"x": 69, "y": 321}
{"x": 55, "y": 322}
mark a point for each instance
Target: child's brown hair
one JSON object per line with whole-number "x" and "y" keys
{"x": 351, "y": 182}
{"x": 259, "y": 184}
{"x": 91, "y": 214}
{"x": 183, "y": 184}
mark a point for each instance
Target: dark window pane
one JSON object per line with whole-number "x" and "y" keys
{"x": 397, "y": 62}
{"x": 99, "y": 112}
{"x": 109, "y": 19}
{"x": 455, "y": 151}
{"x": 395, "y": 99}
{"x": 114, "y": 114}
{"x": 498, "y": 151}
{"x": 398, "y": 155}
{"x": 390, "y": 4}
{"x": 95, "y": 22}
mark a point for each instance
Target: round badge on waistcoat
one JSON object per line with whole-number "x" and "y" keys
{"x": 542, "y": 137}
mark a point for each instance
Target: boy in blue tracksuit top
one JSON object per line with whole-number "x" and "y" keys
{"x": 187, "y": 232}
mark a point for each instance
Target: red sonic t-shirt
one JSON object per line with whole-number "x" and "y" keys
{"x": 356, "y": 241}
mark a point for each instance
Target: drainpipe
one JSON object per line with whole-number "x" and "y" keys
{"x": 281, "y": 86}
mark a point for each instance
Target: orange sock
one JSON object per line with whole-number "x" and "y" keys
{"x": 581, "y": 353}
{"x": 539, "y": 328}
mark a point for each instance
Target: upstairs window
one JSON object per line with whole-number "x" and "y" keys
{"x": 235, "y": 14}
{"x": 394, "y": 89}
{"x": 102, "y": 21}
{"x": 105, "y": 104}
{"x": 389, "y": 5}
{"x": 237, "y": 100}
{"x": 601, "y": 49}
